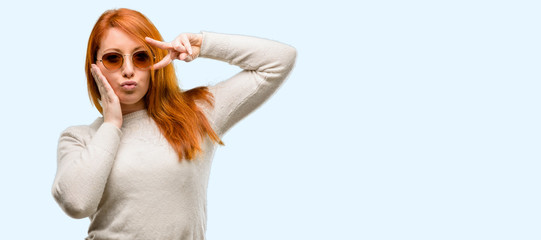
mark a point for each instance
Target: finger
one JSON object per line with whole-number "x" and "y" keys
{"x": 99, "y": 76}
{"x": 93, "y": 70}
{"x": 106, "y": 85}
{"x": 187, "y": 44}
{"x": 189, "y": 58}
{"x": 101, "y": 89}
{"x": 174, "y": 55}
{"x": 159, "y": 44}
{"x": 164, "y": 62}
{"x": 183, "y": 56}
{"x": 106, "y": 89}
{"x": 177, "y": 46}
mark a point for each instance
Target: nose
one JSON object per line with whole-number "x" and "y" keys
{"x": 127, "y": 68}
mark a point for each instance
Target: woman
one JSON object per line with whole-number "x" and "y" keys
{"x": 141, "y": 171}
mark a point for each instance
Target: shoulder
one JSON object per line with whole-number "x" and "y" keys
{"x": 82, "y": 132}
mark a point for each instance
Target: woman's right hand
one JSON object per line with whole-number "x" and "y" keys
{"x": 112, "y": 112}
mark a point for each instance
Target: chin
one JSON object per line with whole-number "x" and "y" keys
{"x": 130, "y": 100}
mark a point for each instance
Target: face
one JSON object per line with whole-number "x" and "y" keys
{"x": 129, "y": 82}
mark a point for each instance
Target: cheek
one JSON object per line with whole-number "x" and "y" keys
{"x": 145, "y": 80}
{"x": 108, "y": 75}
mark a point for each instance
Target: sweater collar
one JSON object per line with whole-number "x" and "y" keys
{"x": 135, "y": 115}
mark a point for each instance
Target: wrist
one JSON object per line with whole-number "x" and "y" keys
{"x": 199, "y": 38}
{"x": 115, "y": 123}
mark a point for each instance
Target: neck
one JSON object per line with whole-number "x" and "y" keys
{"x": 129, "y": 108}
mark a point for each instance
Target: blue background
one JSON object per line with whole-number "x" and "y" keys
{"x": 402, "y": 119}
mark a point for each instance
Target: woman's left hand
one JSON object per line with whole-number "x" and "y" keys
{"x": 185, "y": 47}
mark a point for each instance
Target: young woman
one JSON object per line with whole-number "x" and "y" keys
{"x": 141, "y": 171}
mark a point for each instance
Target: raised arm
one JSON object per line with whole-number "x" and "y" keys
{"x": 265, "y": 63}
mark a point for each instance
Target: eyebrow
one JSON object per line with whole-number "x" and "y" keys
{"x": 118, "y": 50}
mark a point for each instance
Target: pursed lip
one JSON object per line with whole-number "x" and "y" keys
{"x": 134, "y": 83}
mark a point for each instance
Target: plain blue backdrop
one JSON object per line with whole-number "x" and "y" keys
{"x": 401, "y": 120}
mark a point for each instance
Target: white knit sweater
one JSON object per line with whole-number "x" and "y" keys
{"x": 130, "y": 182}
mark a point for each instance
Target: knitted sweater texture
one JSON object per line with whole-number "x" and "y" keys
{"x": 130, "y": 182}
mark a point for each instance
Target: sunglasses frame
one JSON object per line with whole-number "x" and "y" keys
{"x": 123, "y": 59}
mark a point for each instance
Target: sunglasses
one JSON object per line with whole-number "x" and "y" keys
{"x": 114, "y": 61}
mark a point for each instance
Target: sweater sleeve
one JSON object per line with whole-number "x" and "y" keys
{"x": 265, "y": 63}
{"x": 84, "y": 164}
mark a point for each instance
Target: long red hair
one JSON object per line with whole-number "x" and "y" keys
{"x": 179, "y": 119}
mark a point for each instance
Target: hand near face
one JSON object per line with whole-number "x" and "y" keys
{"x": 112, "y": 112}
{"x": 186, "y": 47}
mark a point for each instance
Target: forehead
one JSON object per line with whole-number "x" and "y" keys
{"x": 114, "y": 38}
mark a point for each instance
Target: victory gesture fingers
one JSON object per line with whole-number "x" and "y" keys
{"x": 185, "y": 47}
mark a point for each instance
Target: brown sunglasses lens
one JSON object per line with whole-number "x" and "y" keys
{"x": 141, "y": 59}
{"x": 114, "y": 61}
